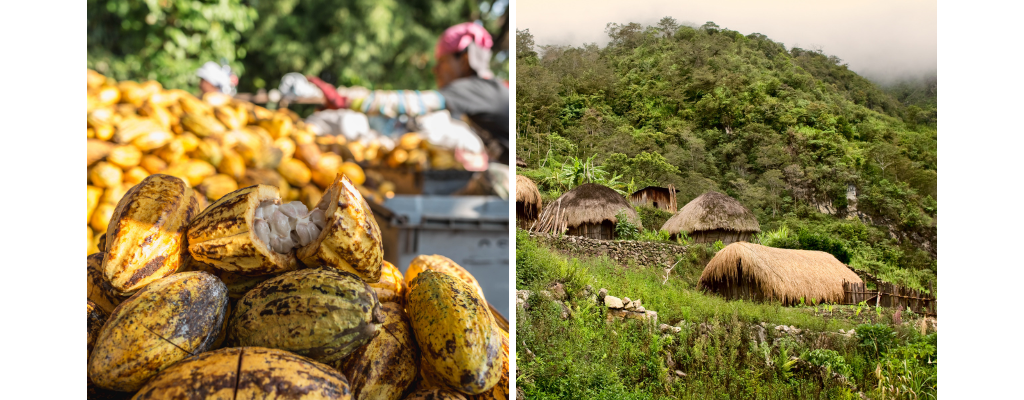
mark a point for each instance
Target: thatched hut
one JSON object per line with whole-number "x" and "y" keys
{"x": 761, "y": 273}
{"x": 527, "y": 202}
{"x": 711, "y": 217}
{"x": 589, "y": 210}
{"x": 656, "y": 197}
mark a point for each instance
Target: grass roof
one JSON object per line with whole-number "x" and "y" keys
{"x": 780, "y": 274}
{"x": 527, "y": 193}
{"x": 711, "y": 211}
{"x": 588, "y": 203}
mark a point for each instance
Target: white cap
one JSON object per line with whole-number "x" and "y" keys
{"x": 218, "y": 75}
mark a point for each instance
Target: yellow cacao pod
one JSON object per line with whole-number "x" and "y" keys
{"x": 92, "y": 196}
{"x": 295, "y": 172}
{"x": 445, "y": 310}
{"x": 105, "y": 174}
{"x": 387, "y": 366}
{"x": 248, "y": 373}
{"x": 152, "y": 164}
{"x": 216, "y": 186}
{"x": 350, "y": 240}
{"x": 124, "y": 157}
{"x": 134, "y": 176}
{"x": 145, "y": 238}
{"x": 164, "y": 323}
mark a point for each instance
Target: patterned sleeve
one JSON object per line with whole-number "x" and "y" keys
{"x": 393, "y": 103}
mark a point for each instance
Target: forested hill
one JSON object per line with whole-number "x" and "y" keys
{"x": 793, "y": 134}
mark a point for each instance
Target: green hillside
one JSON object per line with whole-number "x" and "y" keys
{"x": 807, "y": 144}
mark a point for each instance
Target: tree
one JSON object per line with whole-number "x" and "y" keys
{"x": 525, "y": 52}
{"x": 773, "y": 182}
{"x": 884, "y": 155}
{"x": 668, "y": 26}
{"x": 166, "y": 41}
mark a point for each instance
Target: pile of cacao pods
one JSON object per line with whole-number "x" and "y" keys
{"x": 218, "y": 144}
{"x": 254, "y": 296}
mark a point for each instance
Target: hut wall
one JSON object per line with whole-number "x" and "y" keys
{"x": 655, "y": 197}
{"x": 525, "y": 216}
{"x": 603, "y": 231}
{"x": 725, "y": 236}
{"x": 745, "y": 287}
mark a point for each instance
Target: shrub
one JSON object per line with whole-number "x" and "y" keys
{"x": 876, "y": 339}
{"x": 830, "y": 360}
{"x": 625, "y": 230}
{"x": 653, "y": 218}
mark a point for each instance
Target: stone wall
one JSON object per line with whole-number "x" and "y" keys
{"x": 622, "y": 251}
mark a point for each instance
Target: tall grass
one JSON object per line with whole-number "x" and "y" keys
{"x": 583, "y": 356}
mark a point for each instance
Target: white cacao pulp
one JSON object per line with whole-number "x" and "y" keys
{"x": 284, "y": 227}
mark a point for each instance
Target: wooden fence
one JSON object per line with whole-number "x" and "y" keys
{"x": 890, "y": 295}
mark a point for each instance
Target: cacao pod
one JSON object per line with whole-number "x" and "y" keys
{"x": 232, "y": 164}
{"x": 124, "y": 157}
{"x": 153, "y": 164}
{"x": 392, "y": 286}
{"x": 500, "y": 390}
{"x": 326, "y": 169}
{"x": 133, "y": 127}
{"x": 104, "y": 174}
{"x": 455, "y": 332}
{"x": 281, "y": 312}
{"x": 439, "y": 263}
{"x": 165, "y": 322}
{"x": 223, "y": 235}
{"x": 203, "y": 125}
{"x": 191, "y": 171}
{"x": 350, "y": 240}
{"x": 114, "y": 194}
{"x": 353, "y": 171}
{"x": 134, "y": 176}
{"x": 310, "y": 195}
{"x": 152, "y": 140}
{"x": 98, "y": 289}
{"x": 96, "y": 318}
{"x": 434, "y": 393}
{"x": 101, "y": 217}
{"x": 263, "y": 177}
{"x": 229, "y": 117}
{"x": 385, "y": 367}
{"x": 145, "y": 237}
{"x": 238, "y": 285}
{"x": 294, "y": 171}
{"x": 247, "y": 373}
{"x": 97, "y": 150}
{"x": 308, "y": 153}
{"x": 217, "y": 186}
{"x": 287, "y": 148}
{"x": 92, "y": 196}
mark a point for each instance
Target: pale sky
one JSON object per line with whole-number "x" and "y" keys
{"x": 876, "y": 38}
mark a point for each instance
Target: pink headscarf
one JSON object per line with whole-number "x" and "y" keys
{"x": 458, "y": 37}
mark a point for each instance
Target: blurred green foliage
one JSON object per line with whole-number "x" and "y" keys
{"x": 378, "y": 44}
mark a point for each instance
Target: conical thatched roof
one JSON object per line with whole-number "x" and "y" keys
{"x": 527, "y": 193}
{"x": 711, "y": 211}
{"x": 587, "y": 203}
{"x": 780, "y": 274}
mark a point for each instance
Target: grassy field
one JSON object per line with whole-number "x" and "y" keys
{"x": 718, "y": 354}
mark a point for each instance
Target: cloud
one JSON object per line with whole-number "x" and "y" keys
{"x": 878, "y": 39}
